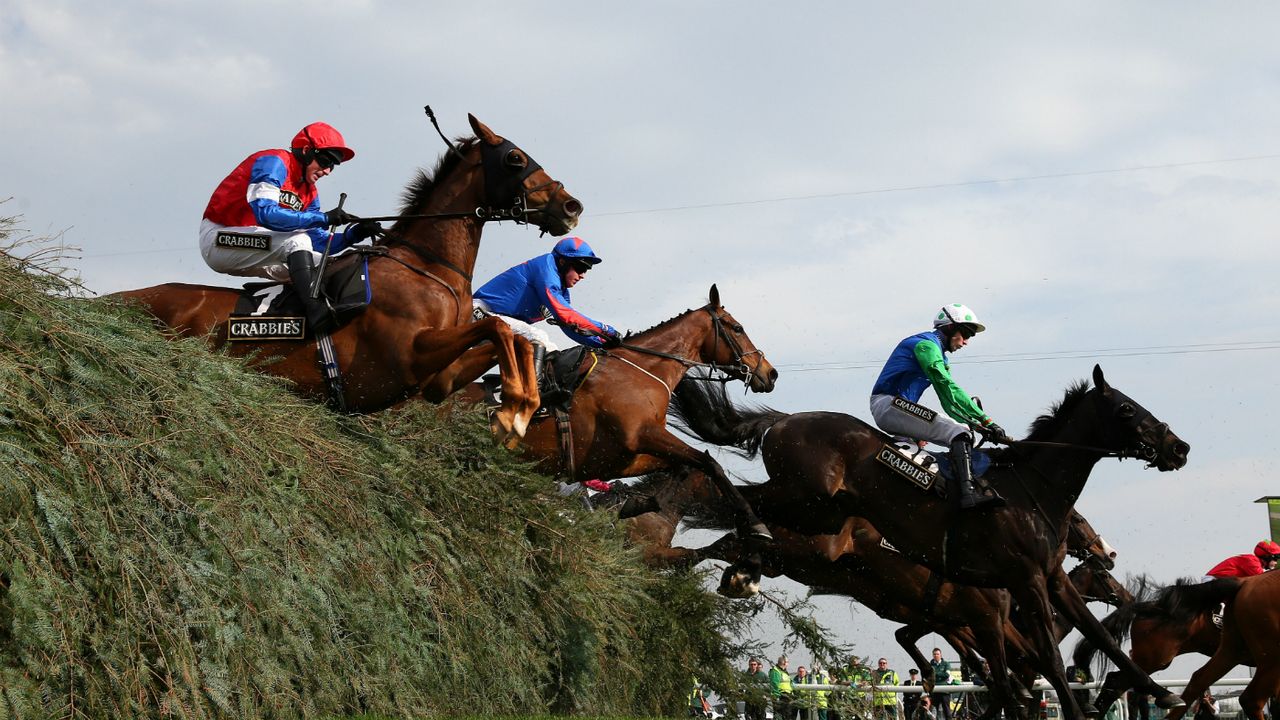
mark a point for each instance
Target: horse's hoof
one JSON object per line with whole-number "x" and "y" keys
{"x": 1089, "y": 710}
{"x": 520, "y": 424}
{"x": 760, "y": 533}
{"x": 1168, "y": 701}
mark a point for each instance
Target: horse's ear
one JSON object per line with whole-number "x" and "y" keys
{"x": 715, "y": 296}
{"x": 482, "y": 131}
{"x": 1099, "y": 381}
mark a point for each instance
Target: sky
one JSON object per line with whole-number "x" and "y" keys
{"x": 1097, "y": 180}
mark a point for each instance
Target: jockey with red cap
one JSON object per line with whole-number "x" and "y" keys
{"x": 538, "y": 289}
{"x": 264, "y": 219}
{"x": 1264, "y": 557}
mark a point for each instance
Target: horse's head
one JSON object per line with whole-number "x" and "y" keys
{"x": 1095, "y": 583}
{"x": 515, "y": 181}
{"x": 727, "y": 345}
{"x": 1083, "y": 542}
{"x": 1135, "y": 430}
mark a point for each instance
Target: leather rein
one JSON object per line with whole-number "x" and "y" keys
{"x": 720, "y": 373}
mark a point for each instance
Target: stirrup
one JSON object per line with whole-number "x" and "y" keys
{"x": 977, "y": 499}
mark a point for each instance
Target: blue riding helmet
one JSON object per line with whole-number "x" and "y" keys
{"x": 575, "y": 248}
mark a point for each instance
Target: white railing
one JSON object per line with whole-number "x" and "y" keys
{"x": 1040, "y": 685}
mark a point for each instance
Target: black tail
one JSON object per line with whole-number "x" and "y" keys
{"x": 703, "y": 410}
{"x": 1118, "y": 623}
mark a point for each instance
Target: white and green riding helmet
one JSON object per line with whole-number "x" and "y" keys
{"x": 955, "y": 314}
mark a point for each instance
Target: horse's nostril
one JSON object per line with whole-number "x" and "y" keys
{"x": 572, "y": 207}
{"x": 1181, "y": 448}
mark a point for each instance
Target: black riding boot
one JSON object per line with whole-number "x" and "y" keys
{"x": 962, "y": 472}
{"x": 552, "y": 394}
{"x": 301, "y": 272}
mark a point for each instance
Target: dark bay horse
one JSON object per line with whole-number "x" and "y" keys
{"x": 619, "y": 414}
{"x": 1161, "y": 624}
{"x": 418, "y": 323}
{"x": 1250, "y": 636}
{"x": 975, "y": 621}
{"x": 823, "y": 468}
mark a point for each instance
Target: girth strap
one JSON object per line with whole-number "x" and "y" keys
{"x": 932, "y": 586}
{"x": 564, "y": 431}
{"x": 328, "y": 360}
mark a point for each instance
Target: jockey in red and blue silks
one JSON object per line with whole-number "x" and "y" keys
{"x": 264, "y": 219}
{"x": 538, "y": 289}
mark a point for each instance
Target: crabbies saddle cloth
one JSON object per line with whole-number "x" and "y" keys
{"x": 274, "y": 311}
{"x": 922, "y": 468}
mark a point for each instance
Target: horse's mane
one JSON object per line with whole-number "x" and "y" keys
{"x": 424, "y": 182}
{"x": 653, "y": 328}
{"x": 1048, "y": 424}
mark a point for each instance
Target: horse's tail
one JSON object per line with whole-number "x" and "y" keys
{"x": 703, "y": 410}
{"x": 1117, "y": 625}
{"x": 715, "y": 514}
{"x": 1120, "y": 622}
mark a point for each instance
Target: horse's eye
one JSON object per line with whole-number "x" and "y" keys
{"x": 1127, "y": 410}
{"x": 737, "y": 329}
{"x": 515, "y": 160}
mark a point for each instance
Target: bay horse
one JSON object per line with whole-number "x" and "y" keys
{"x": 1161, "y": 624}
{"x": 1250, "y": 636}
{"x": 618, "y": 418}
{"x": 823, "y": 468}
{"x": 418, "y": 322}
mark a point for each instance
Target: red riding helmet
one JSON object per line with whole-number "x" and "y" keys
{"x": 322, "y": 136}
{"x": 1267, "y": 549}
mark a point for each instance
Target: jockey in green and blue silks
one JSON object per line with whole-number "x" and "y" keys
{"x": 537, "y": 290}
{"x": 915, "y": 364}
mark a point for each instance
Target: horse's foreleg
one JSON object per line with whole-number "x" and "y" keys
{"x": 1068, "y": 601}
{"x": 1033, "y": 600}
{"x": 907, "y": 636}
{"x": 434, "y": 350}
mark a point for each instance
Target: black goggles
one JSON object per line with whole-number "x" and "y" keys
{"x": 328, "y": 158}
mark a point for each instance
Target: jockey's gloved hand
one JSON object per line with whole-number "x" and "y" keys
{"x": 338, "y": 216}
{"x": 996, "y": 434}
{"x": 363, "y": 230}
{"x": 610, "y": 338}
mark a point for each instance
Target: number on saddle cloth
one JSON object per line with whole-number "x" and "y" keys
{"x": 346, "y": 287}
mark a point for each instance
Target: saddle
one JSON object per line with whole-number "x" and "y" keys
{"x": 274, "y": 311}
{"x": 569, "y": 368}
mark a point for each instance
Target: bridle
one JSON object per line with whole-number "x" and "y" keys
{"x": 1141, "y": 448}
{"x": 505, "y": 169}
{"x": 736, "y": 369}
{"x": 1093, "y": 565}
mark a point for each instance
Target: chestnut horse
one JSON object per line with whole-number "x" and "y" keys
{"x": 418, "y": 322}
{"x": 1250, "y": 636}
{"x": 619, "y": 415}
{"x": 1171, "y": 623}
{"x": 823, "y": 468}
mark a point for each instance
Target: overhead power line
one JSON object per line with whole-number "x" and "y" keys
{"x": 850, "y": 193}
{"x": 937, "y": 186}
{"x": 1187, "y": 349}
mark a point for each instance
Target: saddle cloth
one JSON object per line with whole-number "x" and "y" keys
{"x": 346, "y": 287}
{"x": 940, "y": 463}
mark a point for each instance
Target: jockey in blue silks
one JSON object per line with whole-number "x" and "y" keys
{"x": 538, "y": 289}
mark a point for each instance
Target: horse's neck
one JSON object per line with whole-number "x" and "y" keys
{"x": 1066, "y": 470}
{"x": 678, "y": 338}
{"x": 455, "y": 240}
